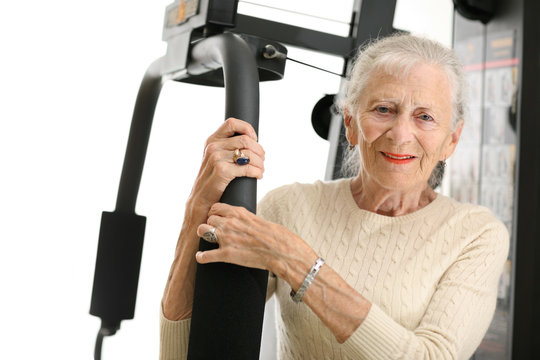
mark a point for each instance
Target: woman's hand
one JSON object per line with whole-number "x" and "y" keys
{"x": 248, "y": 240}
{"x": 218, "y": 168}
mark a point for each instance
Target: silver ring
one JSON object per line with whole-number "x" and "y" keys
{"x": 210, "y": 236}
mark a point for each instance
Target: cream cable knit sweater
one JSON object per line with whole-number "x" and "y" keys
{"x": 431, "y": 275}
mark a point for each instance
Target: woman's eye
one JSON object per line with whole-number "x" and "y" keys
{"x": 425, "y": 117}
{"x": 383, "y": 109}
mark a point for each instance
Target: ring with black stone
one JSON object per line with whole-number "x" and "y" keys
{"x": 240, "y": 158}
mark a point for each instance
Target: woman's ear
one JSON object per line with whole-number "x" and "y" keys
{"x": 454, "y": 139}
{"x": 350, "y": 127}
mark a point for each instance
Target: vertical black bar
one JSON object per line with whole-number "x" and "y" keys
{"x": 229, "y": 300}
{"x": 222, "y": 12}
{"x": 139, "y": 135}
{"x": 526, "y": 315}
{"x": 375, "y": 19}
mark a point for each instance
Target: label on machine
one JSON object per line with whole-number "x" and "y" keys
{"x": 182, "y": 12}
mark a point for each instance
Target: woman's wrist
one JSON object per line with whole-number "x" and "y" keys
{"x": 196, "y": 211}
{"x": 294, "y": 263}
{"x": 312, "y": 273}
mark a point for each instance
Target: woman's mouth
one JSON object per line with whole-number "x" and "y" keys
{"x": 398, "y": 158}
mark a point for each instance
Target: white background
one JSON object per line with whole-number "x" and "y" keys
{"x": 69, "y": 74}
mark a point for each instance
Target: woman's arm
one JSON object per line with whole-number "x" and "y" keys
{"x": 457, "y": 315}
{"x": 216, "y": 172}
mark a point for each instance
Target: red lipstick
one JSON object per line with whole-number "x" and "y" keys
{"x": 399, "y": 159}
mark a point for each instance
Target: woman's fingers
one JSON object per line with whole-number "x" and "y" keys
{"x": 225, "y": 226}
{"x": 233, "y": 256}
{"x": 221, "y": 166}
{"x": 227, "y": 156}
{"x": 219, "y": 158}
{"x": 231, "y": 127}
{"x": 219, "y": 225}
{"x": 227, "y": 170}
{"x": 210, "y": 234}
{"x": 209, "y": 256}
{"x": 226, "y": 210}
{"x": 241, "y": 142}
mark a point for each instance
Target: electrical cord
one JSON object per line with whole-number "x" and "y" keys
{"x": 315, "y": 67}
{"x": 105, "y": 330}
{"x": 99, "y": 343}
{"x": 270, "y": 52}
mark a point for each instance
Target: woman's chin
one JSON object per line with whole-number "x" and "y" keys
{"x": 401, "y": 182}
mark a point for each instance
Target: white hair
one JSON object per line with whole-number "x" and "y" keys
{"x": 397, "y": 55}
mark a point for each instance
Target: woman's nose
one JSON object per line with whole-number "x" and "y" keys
{"x": 401, "y": 129}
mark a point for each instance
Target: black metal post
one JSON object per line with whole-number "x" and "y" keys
{"x": 139, "y": 135}
{"x": 229, "y": 300}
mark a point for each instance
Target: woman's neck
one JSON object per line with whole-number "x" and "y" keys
{"x": 371, "y": 196}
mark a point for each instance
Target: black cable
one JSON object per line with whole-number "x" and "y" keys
{"x": 313, "y": 66}
{"x": 106, "y": 329}
{"x": 99, "y": 343}
{"x": 270, "y": 52}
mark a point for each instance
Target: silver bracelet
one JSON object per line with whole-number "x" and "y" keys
{"x": 297, "y": 296}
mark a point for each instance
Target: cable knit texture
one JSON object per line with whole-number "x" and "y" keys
{"x": 431, "y": 276}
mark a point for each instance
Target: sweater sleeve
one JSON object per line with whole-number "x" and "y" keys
{"x": 174, "y": 337}
{"x": 457, "y": 316}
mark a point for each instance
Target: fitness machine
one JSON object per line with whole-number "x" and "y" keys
{"x": 209, "y": 43}
{"x": 499, "y": 43}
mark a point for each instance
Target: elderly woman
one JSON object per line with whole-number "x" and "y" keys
{"x": 408, "y": 273}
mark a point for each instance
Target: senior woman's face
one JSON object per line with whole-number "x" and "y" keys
{"x": 402, "y": 126}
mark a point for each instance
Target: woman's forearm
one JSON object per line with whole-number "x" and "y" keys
{"x": 177, "y": 299}
{"x": 340, "y": 307}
